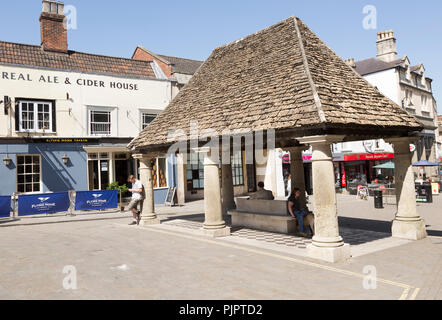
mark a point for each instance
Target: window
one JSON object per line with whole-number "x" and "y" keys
{"x": 100, "y": 122}
{"x": 98, "y": 170}
{"x": 35, "y": 116}
{"x": 237, "y": 169}
{"x": 28, "y": 174}
{"x": 408, "y": 98}
{"x": 424, "y": 101}
{"x": 195, "y": 171}
{"x": 146, "y": 119}
{"x": 159, "y": 173}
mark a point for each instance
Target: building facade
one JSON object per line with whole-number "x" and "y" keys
{"x": 66, "y": 117}
{"x": 408, "y": 86}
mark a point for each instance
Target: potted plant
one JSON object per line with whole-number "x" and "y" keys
{"x": 121, "y": 190}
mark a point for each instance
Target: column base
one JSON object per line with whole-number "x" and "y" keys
{"x": 409, "y": 230}
{"x": 149, "y": 222}
{"x": 217, "y": 233}
{"x": 332, "y": 255}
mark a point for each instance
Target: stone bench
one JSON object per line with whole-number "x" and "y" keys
{"x": 263, "y": 215}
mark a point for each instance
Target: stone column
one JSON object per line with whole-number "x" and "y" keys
{"x": 227, "y": 190}
{"x": 408, "y": 224}
{"x": 228, "y": 194}
{"x": 297, "y": 171}
{"x": 182, "y": 181}
{"x": 148, "y": 216}
{"x": 327, "y": 244}
{"x": 214, "y": 224}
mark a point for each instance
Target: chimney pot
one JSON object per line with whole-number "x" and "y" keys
{"x": 351, "y": 62}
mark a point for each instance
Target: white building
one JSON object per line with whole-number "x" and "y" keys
{"x": 67, "y": 117}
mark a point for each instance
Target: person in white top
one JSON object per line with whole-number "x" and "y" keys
{"x": 137, "y": 198}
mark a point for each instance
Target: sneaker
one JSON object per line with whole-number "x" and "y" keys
{"x": 133, "y": 223}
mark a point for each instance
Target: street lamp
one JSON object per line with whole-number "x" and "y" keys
{"x": 65, "y": 159}
{"x": 7, "y": 161}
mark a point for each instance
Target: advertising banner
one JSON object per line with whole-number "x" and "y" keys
{"x": 5, "y": 207}
{"x": 96, "y": 200}
{"x": 43, "y": 203}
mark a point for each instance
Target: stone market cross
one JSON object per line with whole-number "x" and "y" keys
{"x": 284, "y": 78}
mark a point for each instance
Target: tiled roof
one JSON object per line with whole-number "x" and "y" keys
{"x": 29, "y": 55}
{"x": 373, "y": 65}
{"x": 283, "y": 77}
{"x": 182, "y": 65}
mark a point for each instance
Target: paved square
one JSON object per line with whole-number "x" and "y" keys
{"x": 171, "y": 261}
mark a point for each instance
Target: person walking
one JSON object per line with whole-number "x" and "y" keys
{"x": 137, "y": 198}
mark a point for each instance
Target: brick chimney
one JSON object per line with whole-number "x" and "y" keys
{"x": 53, "y": 32}
{"x": 386, "y": 46}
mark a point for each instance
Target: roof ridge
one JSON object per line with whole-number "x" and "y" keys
{"x": 316, "y": 97}
{"x": 255, "y": 33}
{"x": 73, "y": 51}
{"x": 167, "y": 56}
{"x": 156, "y": 55}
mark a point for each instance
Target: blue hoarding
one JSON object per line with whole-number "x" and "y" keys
{"x": 5, "y": 207}
{"x": 96, "y": 200}
{"x": 43, "y": 203}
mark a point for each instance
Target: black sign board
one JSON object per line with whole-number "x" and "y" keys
{"x": 170, "y": 198}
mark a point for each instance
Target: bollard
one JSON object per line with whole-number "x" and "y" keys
{"x": 14, "y": 206}
{"x": 72, "y": 203}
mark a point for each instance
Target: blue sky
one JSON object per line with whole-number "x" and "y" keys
{"x": 193, "y": 28}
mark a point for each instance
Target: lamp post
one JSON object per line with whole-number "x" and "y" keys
{"x": 7, "y": 161}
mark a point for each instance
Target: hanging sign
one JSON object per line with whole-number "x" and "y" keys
{"x": 43, "y": 203}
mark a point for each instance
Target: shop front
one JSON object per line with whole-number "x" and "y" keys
{"x": 359, "y": 169}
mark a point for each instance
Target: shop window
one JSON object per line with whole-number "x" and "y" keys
{"x": 237, "y": 169}
{"x": 195, "y": 171}
{"x": 98, "y": 170}
{"x": 35, "y": 116}
{"x": 28, "y": 174}
{"x": 159, "y": 173}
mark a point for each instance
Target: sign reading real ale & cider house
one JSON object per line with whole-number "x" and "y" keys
{"x": 15, "y": 76}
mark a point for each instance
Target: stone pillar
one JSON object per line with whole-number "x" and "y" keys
{"x": 227, "y": 188}
{"x": 148, "y": 216}
{"x": 214, "y": 224}
{"x": 327, "y": 244}
{"x": 297, "y": 171}
{"x": 182, "y": 181}
{"x": 408, "y": 224}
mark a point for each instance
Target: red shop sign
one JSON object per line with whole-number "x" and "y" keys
{"x": 359, "y": 157}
